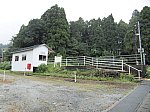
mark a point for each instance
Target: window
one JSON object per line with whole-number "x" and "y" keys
{"x": 16, "y": 58}
{"x": 42, "y": 58}
{"x": 23, "y": 57}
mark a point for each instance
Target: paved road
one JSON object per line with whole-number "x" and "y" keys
{"x": 137, "y": 101}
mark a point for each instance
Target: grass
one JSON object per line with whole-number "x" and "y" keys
{"x": 84, "y": 82}
{"x": 94, "y": 75}
{"x": 148, "y": 72}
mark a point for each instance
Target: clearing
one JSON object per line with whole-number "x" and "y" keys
{"x": 49, "y": 94}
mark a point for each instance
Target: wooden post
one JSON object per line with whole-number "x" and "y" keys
{"x": 60, "y": 64}
{"x": 4, "y": 76}
{"x": 139, "y": 74}
{"x": 25, "y": 72}
{"x": 92, "y": 61}
{"x": 75, "y": 76}
{"x": 54, "y": 64}
{"x": 129, "y": 69}
{"x": 122, "y": 65}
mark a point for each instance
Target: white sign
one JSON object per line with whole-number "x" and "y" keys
{"x": 58, "y": 59}
{"x": 142, "y": 50}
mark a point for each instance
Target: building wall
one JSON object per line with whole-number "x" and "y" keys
{"x": 22, "y": 65}
{"x": 32, "y": 57}
{"x": 41, "y": 50}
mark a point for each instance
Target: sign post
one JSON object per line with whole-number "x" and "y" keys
{"x": 58, "y": 59}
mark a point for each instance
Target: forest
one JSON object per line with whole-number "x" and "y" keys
{"x": 96, "y": 37}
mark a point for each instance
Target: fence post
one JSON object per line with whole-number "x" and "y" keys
{"x": 4, "y": 77}
{"x": 92, "y": 61}
{"x": 75, "y": 76}
{"x": 84, "y": 60}
{"x": 97, "y": 62}
{"x": 139, "y": 74}
{"x": 122, "y": 65}
{"x": 54, "y": 64}
{"x": 113, "y": 58}
{"x": 24, "y": 72}
{"x": 129, "y": 70}
{"x": 66, "y": 62}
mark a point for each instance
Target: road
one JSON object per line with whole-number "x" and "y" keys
{"x": 137, "y": 101}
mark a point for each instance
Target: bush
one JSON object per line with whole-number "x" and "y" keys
{"x": 52, "y": 69}
{"x": 127, "y": 77}
{"x": 148, "y": 72}
{"x": 5, "y": 66}
{"x": 42, "y": 68}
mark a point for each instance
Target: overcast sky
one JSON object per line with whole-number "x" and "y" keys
{"x": 14, "y": 13}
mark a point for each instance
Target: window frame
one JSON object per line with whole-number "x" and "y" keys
{"x": 24, "y": 57}
{"x": 42, "y": 57}
{"x": 17, "y": 58}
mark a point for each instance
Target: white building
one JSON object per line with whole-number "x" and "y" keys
{"x": 29, "y": 58}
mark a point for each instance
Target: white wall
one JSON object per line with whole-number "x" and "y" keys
{"x": 22, "y": 65}
{"x": 41, "y": 50}
{"x": 32, "y": 57}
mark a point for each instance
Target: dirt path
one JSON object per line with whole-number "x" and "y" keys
{"x": 30, "y": 94}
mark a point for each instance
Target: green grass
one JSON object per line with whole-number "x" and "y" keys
{"x": 95, "y": 75}
{"x": 148, "y": 72}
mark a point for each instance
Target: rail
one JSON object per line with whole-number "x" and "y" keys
{"x": 99, "y": 63}
{"x": 129, "y": 70}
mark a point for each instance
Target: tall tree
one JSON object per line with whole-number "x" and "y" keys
{"x": 145, "y": 30}
{"x": 95, "y": 39}
{"x": 110, "y": 35}
{"x": 57, "y": 29}
{"x": 79, "y": 33}
{"x": 32, "y": 34}
{"x": 21, "y": 39}
{"x": 121, "y": 33}
{"x": 131, "y": 40}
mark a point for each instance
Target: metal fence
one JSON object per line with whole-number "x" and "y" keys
{"x": 115, "y": 63}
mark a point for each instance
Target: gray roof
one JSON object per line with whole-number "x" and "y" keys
{"x": 31, "y": 48}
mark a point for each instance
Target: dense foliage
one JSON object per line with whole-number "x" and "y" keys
{"x": 5, "y": 66}
{"x": 96, "y": 37}
{"x": 99, "y": 75}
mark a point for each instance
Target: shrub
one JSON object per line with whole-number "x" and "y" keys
{"x": 148, "y": 72}
{"x": 5, "y": 66}
{"x": 127, "y": 77}
{"x": 52, "y": 69}
{"x": 42, "y": 68}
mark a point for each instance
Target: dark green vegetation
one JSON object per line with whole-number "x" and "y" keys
{"x": 148, "y": 72}
{"x": 96, "y": 37}
{"x": 89, "y": 74}
{"x": 5, "y": 66}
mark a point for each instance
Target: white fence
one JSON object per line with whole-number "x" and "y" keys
{"x": 114, "y": 63}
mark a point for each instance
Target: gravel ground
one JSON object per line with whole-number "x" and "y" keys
{"x": 34, "y": 94}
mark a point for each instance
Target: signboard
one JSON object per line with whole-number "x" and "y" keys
{"x": 58, "y": 59}
{"x": 140, "y": 50}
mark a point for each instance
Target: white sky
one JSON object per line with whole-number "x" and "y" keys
{"x": 14, "y": 13}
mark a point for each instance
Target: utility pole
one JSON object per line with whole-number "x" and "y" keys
{"x": 140, "y": 43}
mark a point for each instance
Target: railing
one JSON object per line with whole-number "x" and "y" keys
{"x": 130, "y": 59}
{"x": 131, "y": 67}
{"x": 99, "y": 63}
{"x": 93, "y": 62}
